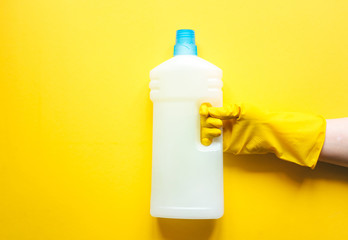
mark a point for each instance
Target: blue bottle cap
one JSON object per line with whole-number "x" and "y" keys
{"x": 185, "y": 42}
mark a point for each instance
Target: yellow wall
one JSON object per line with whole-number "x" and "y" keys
{"x": 75, "y": 152}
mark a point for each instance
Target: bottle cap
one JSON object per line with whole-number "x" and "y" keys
{"x": 185, "y": 42}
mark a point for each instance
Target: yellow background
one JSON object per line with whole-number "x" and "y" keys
{"x": 76, "y": 118}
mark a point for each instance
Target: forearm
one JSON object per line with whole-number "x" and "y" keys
{"x": 335, "y": 149}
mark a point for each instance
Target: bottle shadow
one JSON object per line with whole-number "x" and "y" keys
{"x": 202, "y": 229}
{"x": 269, "y": 163}
{"x": 183, "y": 229}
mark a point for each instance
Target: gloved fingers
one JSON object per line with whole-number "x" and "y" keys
{"x": 210, "y": 127}
{"x": 212, "y": 122}
{"x": 203, "y": 110}
{"x": 207, "y": 135}
{"x": 227, "y": 112}
{"x": 206, "y": 141}
{"x": 210, "y": 132}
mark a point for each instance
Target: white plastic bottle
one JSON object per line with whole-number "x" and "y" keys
{"x": 187, "y": 177}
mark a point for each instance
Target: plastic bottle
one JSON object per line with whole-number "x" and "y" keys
{"x": 187, "y": 177}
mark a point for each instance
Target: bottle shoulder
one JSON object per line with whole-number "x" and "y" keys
{"x": 186, "y": 62}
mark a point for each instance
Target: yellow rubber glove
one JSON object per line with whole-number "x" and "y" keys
{"x": 291, "y": 136}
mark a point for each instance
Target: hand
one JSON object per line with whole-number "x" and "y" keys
{"x": 295, "y": 137}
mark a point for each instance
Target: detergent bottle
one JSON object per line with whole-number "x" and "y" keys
{"x": 187, "y": 177}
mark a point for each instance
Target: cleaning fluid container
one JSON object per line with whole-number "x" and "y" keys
{"x": 187, "y": 177}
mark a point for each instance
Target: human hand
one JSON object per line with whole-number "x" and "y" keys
{"x": 291, "y": 136}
